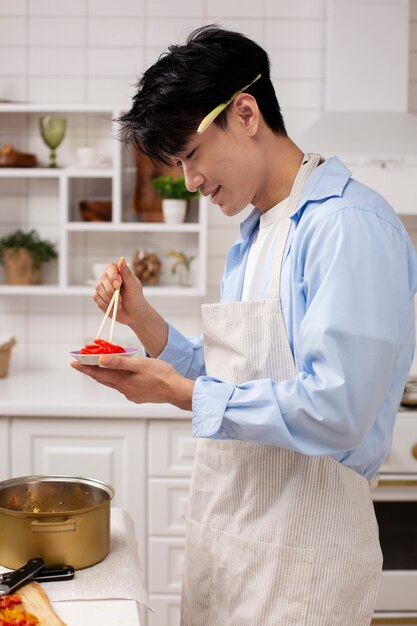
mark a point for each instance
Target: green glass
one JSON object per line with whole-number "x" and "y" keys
{"x": 53, "y": 132}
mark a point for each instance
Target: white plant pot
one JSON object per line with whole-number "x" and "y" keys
{"x": 174, "y": 210}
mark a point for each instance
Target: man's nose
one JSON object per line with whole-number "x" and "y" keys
{"x": 193, "y": 181}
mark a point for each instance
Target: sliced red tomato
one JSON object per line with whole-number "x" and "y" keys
{"x": 100, "y": 346}
{"x": 7, "y": 601}
{"x": 11, "y": 614}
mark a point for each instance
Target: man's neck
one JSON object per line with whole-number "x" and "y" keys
{"x": 281, "y": 167}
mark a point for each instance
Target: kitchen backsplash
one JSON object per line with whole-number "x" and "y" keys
{"x": 93, "y": 51}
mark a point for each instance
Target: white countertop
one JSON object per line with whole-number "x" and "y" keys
{"x": 103, "y": 612}
{"x": 67, "y": 393}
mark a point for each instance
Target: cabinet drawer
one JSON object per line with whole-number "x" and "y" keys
{"x": 167, "y": 610}
{"x": 171, "y": 449}
{"x": 403, "y": 454}
{"x": 108, "y": 450}
{"x": 165, "y": 564}
{"x": 167, "y": 506}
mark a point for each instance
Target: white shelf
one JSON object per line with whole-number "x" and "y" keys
{"x": 91, "y": 172}
{"x": 45, "y": 107}
{"x": 30, "y": 290}
{"x": 73, "y": 256}
{"x": 31, "y": 172}
{"x": 130, "y": 227}
{"x": 58, "y": 172}
{"x": 80, "y": 290}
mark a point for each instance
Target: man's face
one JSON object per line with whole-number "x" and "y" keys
{"x": 219, "y": 163}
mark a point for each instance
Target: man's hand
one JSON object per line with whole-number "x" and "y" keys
{"x": 141, "y": 379}
{"x": 133, "y": 309}
{"x": 132, "y": 304}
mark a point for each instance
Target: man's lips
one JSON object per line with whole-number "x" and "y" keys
{"x": 212, "y": 193}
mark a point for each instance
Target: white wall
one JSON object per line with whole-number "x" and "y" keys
{"x": 93, "y": 51}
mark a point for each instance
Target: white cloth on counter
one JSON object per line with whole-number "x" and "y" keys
{"x": 118, "y": 576}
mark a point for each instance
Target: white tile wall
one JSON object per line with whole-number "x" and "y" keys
{"x": 93, "y": 51}
{"x": 56, "y": 7}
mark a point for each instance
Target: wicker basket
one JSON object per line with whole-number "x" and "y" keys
{"x": 5, "y": 351}
{"x": 19, "y": 267}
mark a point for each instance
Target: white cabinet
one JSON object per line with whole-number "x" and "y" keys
{"x": 167, "y": 611}
{"x": 167, "y": 506}
{"x": 108, "y": 450}
{"x": 147, "y": 461}
{"x": 171, "y": 450}
{"x": 48, "y": 199}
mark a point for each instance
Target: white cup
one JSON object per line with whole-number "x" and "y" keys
{"x": 98, "y": 270}
{"x": 88, "y": 157}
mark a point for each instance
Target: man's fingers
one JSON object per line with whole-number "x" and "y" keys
{"x": 115, "y": 362}
{"x": 97, "y": 373}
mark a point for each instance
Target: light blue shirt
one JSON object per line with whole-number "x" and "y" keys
{"x": 348, "y": 281}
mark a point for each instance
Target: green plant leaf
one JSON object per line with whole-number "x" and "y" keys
{"x": 41, "y": 250}
{"x": 168, "y": 187}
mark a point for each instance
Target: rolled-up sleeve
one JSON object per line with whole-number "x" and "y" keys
{"x": 186, "y": 354}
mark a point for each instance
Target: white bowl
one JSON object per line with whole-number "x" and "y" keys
{"x": 93, "y": 359}
{"x": 98, "y": 270}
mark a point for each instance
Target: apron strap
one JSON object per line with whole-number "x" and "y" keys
{"x": 309, "y": 163}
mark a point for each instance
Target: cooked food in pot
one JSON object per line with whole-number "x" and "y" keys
{"x": 51, "y": 497}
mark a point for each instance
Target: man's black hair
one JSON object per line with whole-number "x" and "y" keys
{"x": 190, "y": 80}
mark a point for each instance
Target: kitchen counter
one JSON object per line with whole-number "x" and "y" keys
{"x": 109, "y": 592}
{"x": 67, "y": 393}
{"x": 104, "y": 612}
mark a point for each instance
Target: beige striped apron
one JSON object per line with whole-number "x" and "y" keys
{"x": 274, "y": 537}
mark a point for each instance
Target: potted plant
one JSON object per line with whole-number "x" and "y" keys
{"x": 174, "y": 195}
{"x": 22, "y": 253}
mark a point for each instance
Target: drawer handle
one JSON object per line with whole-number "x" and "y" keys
{"x": 394, "y": 621}
{"x": 414, "y": 451}
{"x": 397, "y": 483}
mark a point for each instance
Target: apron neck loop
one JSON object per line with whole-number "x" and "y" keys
{"x": 309, "y": 163}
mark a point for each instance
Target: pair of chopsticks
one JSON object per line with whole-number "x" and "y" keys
{"x": 113, "y": 303}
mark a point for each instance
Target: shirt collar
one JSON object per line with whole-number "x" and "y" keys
{"x": 250, "y": 223}
{"x": 328, "y": 180}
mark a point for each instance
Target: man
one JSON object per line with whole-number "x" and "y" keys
{"x": 295, "y": 384}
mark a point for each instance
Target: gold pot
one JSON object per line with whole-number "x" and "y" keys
{"x": 63, "y": 519}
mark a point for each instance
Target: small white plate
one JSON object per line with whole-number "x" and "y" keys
{"x": 93, "y": 359}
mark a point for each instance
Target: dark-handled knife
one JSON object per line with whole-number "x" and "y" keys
{"x": 14, "y": 580}
{"x": 49, "y": 574}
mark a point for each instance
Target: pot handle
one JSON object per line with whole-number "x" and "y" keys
{"x": 69, "y": 526}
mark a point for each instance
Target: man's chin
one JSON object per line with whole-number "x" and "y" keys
{"x": 231, "y": 211}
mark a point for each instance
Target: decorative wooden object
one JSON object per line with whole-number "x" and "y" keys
{"x": 146, "y": 202}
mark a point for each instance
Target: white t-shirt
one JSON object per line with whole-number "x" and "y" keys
{"x": 261, "y": 247}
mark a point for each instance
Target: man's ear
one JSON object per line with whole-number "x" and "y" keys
{"x": 247, "y": 110}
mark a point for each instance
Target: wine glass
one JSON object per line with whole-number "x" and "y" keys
{"x": 53, "y": 132}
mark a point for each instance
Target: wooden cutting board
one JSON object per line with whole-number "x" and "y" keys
{"x": 37, "y": 602}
